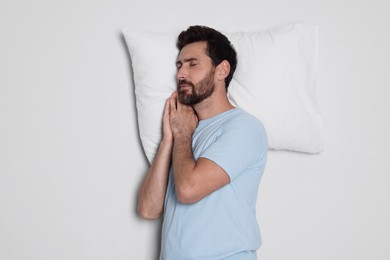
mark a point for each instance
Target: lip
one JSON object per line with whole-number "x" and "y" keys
{"x": 184, "y": 86}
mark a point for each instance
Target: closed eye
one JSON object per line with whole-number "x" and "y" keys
{"x": 190, "y": 61}
{"x": 178, "y": 65}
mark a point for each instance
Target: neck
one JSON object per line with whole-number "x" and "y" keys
{"x": 215, "y": 104}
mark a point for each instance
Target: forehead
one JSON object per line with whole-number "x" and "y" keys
{"x": 193, "y": 50}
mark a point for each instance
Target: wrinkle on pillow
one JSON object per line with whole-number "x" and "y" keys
{"x": 274, "y": 80}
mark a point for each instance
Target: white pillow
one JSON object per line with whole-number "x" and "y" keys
{"x": 274, "y": 81}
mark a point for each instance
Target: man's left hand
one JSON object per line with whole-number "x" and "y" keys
{"x": 183, "y": 119}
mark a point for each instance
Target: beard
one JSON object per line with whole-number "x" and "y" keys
{"x": 196, "y": 93}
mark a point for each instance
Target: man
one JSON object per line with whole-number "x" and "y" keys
{"x": 207, "y": 170}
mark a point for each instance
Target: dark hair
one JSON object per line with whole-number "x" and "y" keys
{"x": 218, "y": 46}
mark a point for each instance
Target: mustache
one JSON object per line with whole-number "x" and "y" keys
{"x": 185, "y": 82}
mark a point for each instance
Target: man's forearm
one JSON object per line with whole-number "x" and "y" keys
{"x": 183, "y": 166}
{"x": 153, "y": 189}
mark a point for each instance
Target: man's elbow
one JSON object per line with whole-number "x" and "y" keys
{"x": 148, "y": 214}
{"x": 187, "y": 196}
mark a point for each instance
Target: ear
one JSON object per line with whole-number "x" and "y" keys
{"x": 222, "y": 70}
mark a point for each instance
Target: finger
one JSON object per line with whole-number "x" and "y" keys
{"x": 178, "y": 105}
{"x": 167, "y": 107}
{"x": 188, "y": 108}
{"x": 172, "y": 101}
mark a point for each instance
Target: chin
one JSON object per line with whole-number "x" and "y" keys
{"x": 187, "y": 100}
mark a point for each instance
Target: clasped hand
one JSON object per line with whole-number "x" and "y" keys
{"x": 179, "y": 120}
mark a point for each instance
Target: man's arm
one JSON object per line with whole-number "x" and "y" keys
{"x": 152, "y": 192}
{"x": 193, "y": 179}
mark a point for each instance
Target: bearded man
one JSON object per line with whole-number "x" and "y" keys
{"x": 204, "y": 179}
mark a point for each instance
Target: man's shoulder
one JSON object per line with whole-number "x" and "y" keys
{"x": 241, "y": 116}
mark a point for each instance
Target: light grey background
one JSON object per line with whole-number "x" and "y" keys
{"x": 71, "y": 160}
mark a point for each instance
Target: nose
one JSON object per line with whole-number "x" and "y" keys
{"x": 181, "y": 73}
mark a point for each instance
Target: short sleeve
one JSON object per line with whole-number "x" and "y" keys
{"x": 241, "y": 144}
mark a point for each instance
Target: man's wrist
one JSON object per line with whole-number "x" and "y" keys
{"x": 182, "y": 138}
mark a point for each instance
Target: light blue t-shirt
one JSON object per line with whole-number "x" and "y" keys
{"x": 222, "y": 225}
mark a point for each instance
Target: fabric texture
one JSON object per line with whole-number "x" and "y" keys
{"x": 274, "y": 80}
{"x": 222, "y": 225}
